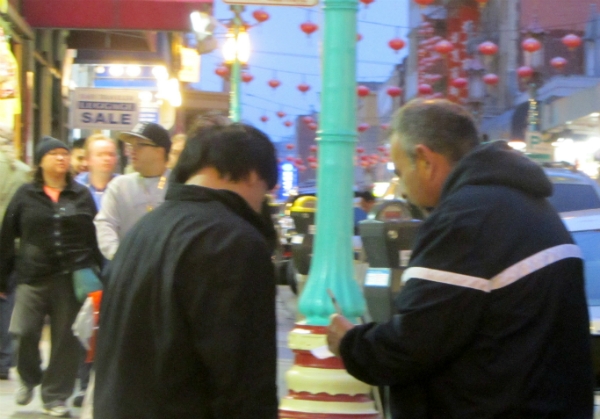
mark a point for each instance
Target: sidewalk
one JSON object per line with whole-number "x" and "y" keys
{"x": 286, "y": 312}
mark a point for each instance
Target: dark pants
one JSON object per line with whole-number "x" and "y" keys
{"x": 84, "y": 370}
{"x": 6, "y": 345}
{"x": 55, "y": 298}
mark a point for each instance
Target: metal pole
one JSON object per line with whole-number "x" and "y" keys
{"x": 332, "y": 265}
{"x": 235, "y": 107}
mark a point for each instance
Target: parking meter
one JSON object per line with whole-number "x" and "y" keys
{"x": 388, "y": 243}
{"x": 303, "y": 214}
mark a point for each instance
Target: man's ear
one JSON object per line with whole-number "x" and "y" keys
{"x": 423, "y": 156}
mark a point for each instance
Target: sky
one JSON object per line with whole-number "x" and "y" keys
{"x": 281, "y": 50}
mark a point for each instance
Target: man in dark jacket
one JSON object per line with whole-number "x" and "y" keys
{"x": 187, "y": 326}
{"x": 492, "y": 321}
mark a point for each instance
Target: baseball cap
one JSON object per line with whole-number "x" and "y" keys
{"x": 149, "y": 131}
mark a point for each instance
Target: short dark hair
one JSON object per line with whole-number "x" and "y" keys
{"x": 234, "y": 150}
{"x": 78, "y": 143}
{"x": 366, "y": 195}
{"x": 445, "y": 127}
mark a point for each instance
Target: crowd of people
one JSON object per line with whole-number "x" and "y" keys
{"x": 491, "y": 321}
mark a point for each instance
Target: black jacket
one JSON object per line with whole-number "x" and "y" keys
{"x": 187, "y": 325}
{"x": 492, "y": 321}
{"x": 55, "y": 238}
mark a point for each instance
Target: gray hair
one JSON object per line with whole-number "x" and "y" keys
{"x": 445, "y": 127}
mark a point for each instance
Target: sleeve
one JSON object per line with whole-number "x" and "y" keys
{"x": 438, "y": 312}
{"x": 230, "y": 301}
{"x": 108, "y": 220}
{"x": 93, "y": 240}
{"x": 8, "y": 234}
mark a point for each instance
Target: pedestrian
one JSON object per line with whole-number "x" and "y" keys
{"x": 53, "y": 219}
{"x": 13, "y": 173}
{"x": 78, "y": 160}
{"x": 101, "y": 156}
{"x": 492, "y": 320}
{"x": 364, "y": 206}
{"x": 127, "y": 198}
{"x": 187, "y": 322}
{"x": 177, "y": 144}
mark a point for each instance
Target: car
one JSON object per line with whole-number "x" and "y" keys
{"x": 573, "y": 190}
{"x": 584, "y": 226}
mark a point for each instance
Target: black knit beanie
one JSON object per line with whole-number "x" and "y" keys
{"x": 45, "y": 145}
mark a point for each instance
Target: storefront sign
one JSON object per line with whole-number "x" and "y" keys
{"x": 275, "y": 2}
{"x": 112, "y": 109}
{"x": 190, "y": 65}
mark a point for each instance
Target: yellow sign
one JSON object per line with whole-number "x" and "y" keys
{"x": 190, "y": 65}
{"x": 275, "y": 2}
{"x": 3, "y": 6}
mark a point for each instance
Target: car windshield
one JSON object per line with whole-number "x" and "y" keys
{"x": 589, "y": 242}
{"x": 573, "y": 197}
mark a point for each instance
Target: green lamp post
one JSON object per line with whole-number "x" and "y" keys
{"x": 236, "y": 52}
{"x": 332, "y": 266}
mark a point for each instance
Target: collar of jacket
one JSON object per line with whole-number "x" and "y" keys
{"x": 180, "y": 192}
{"x": 69, "y": 187}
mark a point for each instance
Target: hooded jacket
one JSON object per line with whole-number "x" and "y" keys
{"x": 187, "y": 323}
{"x": 492, "y": 319}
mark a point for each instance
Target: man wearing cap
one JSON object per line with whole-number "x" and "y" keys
{"x": 127, "y": 198}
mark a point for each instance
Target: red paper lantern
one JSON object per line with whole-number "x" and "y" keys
{"x": 367, "y": 2}
{"x": 491, "y": 79}
{"x": 459, "y": 82}
{"x": 443, "y": 47}
{"x": 558, "y": 63}
{"x": 260, "y": 15}
{"x": 288, "y": 123}
{"x": 274, "y": 83}
{"x": 301, "y": 167}
{"x": 360, "y": 150}
{"x": 222, "y": 71}
{"x": 384, "y": 127}
{"x": 280, "y": 114}
{"x": 531, "y": 45}
{"x": 264, "y": 118}
{"x": 424, "y": 3}
{"x": 290, "y": 158}
{"x": 312, "y": 165}
{"x": 313, "y": 126}
{"x": 362, "y": 91}
{"x": 308, "y": 119}
{"x": 488, "y": 48}
{"x": 247, "y": 77}
{"x": 381, "y": 148}
{"x": 289, "y": 146}
{"x": 313, "y": 148}
{"x": 303, "y": 87}
{"x": 424, "y": 89}
{"x": 394, "y": 91}
{"x": 363, "y": 126}
{"x": 396, "y": 44}
{"x": 525, "y": 72}
{"x": 571, "y": 41}
{"x": 308, "y": 28}
{"x": 299, "y": 160}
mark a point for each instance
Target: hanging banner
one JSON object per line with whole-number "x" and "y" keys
{"x": 112, "y": 109}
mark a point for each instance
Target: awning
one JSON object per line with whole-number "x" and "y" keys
{"x": 152, "y": 15}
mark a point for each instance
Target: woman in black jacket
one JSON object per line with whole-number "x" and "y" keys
{"x": 52, "y": 217}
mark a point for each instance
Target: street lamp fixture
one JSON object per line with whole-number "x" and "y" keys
{"x": 236, "y": 52}
{"x": 237, "y": 48}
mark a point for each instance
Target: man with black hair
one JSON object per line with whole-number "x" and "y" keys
{"x": 78, "y": 160}
{"x": 188, "y": 314}
{"x": 492, "y": 318}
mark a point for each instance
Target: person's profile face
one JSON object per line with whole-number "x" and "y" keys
{"x": 410, "y": 173}
{"x": 143, "y": 154}
{"x": 78, "y": 161}
{"x": 174, "y": 153}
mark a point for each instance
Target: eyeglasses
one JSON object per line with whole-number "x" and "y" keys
{"x": 141, "y": 145}
{"x": 56, "y": 154}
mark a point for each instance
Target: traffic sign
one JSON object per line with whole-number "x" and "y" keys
{"x": 275, "y": 2}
